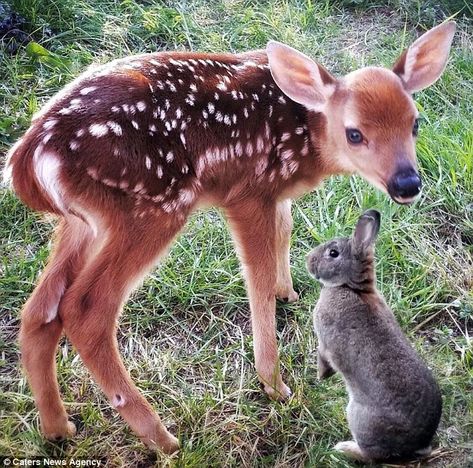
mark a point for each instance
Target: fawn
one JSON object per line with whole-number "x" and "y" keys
{"x": 124, "y": 153}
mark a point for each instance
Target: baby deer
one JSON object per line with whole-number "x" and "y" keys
{"x": 128, "y": 150}
{"x": 395, "y": 404}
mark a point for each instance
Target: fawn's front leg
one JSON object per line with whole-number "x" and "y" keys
{"x": 284, "y": 287}
{"x": 253, "y": 226}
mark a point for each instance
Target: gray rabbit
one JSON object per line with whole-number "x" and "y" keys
{"x": 394, "y": 402}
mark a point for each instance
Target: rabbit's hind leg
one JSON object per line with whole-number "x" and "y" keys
{"x": 351, "y": 450}
{"x": 423, "y": 453}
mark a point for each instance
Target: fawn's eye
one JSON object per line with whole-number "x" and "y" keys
{"x": 415, "y": 128}
{"x": 333, "y": 253}
{"x": 354, "y": 136}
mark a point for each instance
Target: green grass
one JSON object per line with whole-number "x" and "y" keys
{"x": 185, "y": 334}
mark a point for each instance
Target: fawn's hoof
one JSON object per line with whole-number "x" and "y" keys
{"x": 281, "y": 393}
{"x": 288, "y": 296}
{"x": 167, "y": 443}
{"x": 58, "y": 434}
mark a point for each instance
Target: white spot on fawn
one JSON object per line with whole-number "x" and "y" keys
{"x": 238, "y": 149}
{"x": 159, "y": 171}
{"x": 47, "y": 169}
{"x": 186, "y": 197}
{"x": 88, "y": 90}
{"x": 148, "y": 163}
{"x": 52, "y": 312}
{"x": 98, "y": 130}
{"x": 138, "y": 188}
{"x": 169, "y": 157}
{"x": 141, "y": 106}
{"x": 261, "y": 166}
{"x": 249, "y": 148}
{"x": 135, "y": 124}
{"x": 74, "y": 145}
{"x": 259, "y": 144}
{"x": 115, "y": 128}
{"x": 286, "y": 154}
{"x": 49, "y": 124}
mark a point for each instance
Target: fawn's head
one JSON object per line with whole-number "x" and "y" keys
{"x": 371, "y": 118}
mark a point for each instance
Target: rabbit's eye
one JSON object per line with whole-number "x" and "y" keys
{"x": 333, "y": 253}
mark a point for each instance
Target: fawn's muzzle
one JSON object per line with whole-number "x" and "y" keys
{"x": 405, "y": 185}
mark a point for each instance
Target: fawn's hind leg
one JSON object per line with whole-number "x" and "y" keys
{"x": 41, "y": 328}
{"x": 352, "y": 450}
{"x": 91, "y": 306}
{"x": 253, "y": 224}
{"x": 284, "y": 287}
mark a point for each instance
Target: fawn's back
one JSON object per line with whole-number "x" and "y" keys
{"x": 165, "y": 128}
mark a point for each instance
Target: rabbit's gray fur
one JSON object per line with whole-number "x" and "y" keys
{"x": 394, "y": 402}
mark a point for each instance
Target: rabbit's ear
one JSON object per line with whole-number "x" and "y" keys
{"x": 366, "y": 229}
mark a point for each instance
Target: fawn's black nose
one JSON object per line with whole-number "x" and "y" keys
{"x": 405, "y": 185}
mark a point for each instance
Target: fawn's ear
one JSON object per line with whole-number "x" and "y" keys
{"x": 424, "y": 61}
{"x": 299, "y": 77}
{"x": 366, "y": 229}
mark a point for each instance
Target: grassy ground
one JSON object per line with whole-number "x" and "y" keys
{"x": 185, "y": 333}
